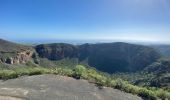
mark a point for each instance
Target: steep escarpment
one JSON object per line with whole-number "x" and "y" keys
{"x": 12, "y": 53}
{"x": 57, "y": 51}
{"x": 107, "y": 57}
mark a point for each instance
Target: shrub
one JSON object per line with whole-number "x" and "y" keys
{"x": 38, "y": 71}
{"x": 80, "y": 72}
{"x": 8, "y": 74}
{"x": 100, "y": 80}
{"x": 131, "y": 88}
{"x": 113, "y": 83}
{"x": 108, "y": 82}
{"x": 66, "y": 72}
{"x": 22, "y": 71}
{"x": 119, "y": 84}
{"x": 143, "y": 92}
{"x": 163, "y": 94}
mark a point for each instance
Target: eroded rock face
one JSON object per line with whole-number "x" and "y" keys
{"x": 21, "y": 57}
{"x": 57, "y": 51}
{"x": 0, "y": 61}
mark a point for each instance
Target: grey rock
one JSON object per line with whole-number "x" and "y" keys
{"x": 53, "y": 87}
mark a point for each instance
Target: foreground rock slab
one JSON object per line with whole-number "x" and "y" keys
{"x": 54, "y": 87}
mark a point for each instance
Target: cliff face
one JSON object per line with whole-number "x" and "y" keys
{"x": 57, "y": 51}
{"x": 16, "y": 58}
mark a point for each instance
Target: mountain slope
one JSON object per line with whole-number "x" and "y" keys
{"x": 6, "y": 46}
{"x": 14, "y": 53}
{"x": 164, "y": 49}
{"x": 107, "y": 57}
{"x": 111, "y": 57}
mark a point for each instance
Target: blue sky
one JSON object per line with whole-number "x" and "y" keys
{"x": 133, "y": 20}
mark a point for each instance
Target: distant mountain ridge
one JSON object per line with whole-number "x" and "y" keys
{"x": 164, "y": 49}
{"x": 107, "y": 57}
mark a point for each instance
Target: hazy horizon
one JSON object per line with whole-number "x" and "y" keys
{"x": 145, "y": 21}
{"x": 79, "y": 42}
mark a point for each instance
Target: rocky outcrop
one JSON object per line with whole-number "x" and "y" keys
{"x": 13, "y": 53}
{"x": 0, "y": 61}
{"x": 20, "y": 57}
{"x": 52, "y": 87}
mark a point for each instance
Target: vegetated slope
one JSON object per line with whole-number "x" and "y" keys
{"x": 106, "y": 57}
{"x": 164, "y": 49}
{"x": 6, "y": 46}
{"x": 52, "y": 87}
{"x": 112, "y": 57}
{"x": 155, "y": 75}
{"x": 161, "y": 73}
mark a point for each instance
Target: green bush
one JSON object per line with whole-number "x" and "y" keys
{"x": 100, "y": 80}
{"x": 22, "y": 71}
{"x": 143, "y": 92}
{"x": 120, "y": 84}
{"x": 108, "y": 82}
{"x": 131, "y": 88}
{"x": 65, "y": 72}
{"x": 163, "y": 94}
{"x": 8, "y": 74}
{"x": 80, "y": 72}
{"x": 38, "y": 71}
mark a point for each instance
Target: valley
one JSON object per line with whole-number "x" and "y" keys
{"x": 145, "y": 67}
